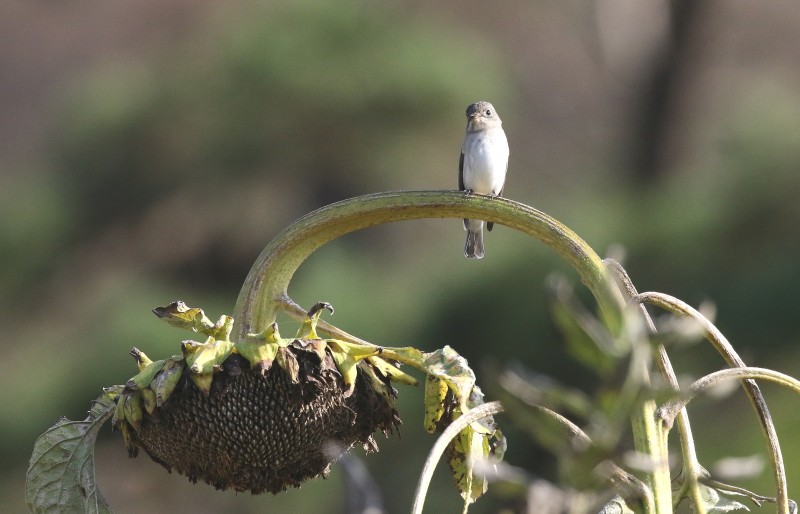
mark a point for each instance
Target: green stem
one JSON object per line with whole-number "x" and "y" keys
{"x": 691, "y": 466}
{"x": 265, "y": 288}
{"x": 721, "y": 344}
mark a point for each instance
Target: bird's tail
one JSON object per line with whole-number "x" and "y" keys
{"x": 473, "y": 248}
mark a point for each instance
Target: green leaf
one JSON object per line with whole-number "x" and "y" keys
{"x": 308, "y": 330}
{"x": 132, "y": 408}
{"x": 142, "y": 379}
{"x": 202, "y": 381}
{"x": 202, "y": 359}
{"x": 149, "y": 400}
{"x": 260, "y": 349}
{"x": 462, "y": 454}
{"x": 346, "y": 356}
{"x": 587, "y": 340}
{"x": 61, "y": 474}
{"x": 222, "y": 328}
{"x": 167, "y": 379}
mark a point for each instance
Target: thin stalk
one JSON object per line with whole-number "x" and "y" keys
{"x": 715, "y": 378}
{"x": 721, "y": 344}
{"x": 692, "y": 469}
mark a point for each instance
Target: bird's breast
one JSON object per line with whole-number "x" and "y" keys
{"x": 485, "y": 161}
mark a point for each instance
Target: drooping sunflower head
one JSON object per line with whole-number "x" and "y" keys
{"x": 259, "y": 416}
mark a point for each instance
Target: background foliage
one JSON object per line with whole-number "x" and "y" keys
{"x": 150, "y": 150}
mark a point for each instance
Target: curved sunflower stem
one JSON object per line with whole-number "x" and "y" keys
{"x": 264, "y": 292}
{"x": 265, "y": 288}
{"x": 671, "y": 408}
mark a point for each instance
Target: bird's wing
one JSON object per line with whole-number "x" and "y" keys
{"x": 489, "y": 224}
{"x": 504, "y": 185}
{"x": 461, "y": 172}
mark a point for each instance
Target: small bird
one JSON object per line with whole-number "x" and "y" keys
{"x": 482, "y": 167}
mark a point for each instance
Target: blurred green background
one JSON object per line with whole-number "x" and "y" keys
{"x": 149, "y": 151}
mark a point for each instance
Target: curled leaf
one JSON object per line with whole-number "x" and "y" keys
{"x": 355, "y": 350}
{"x": 119, "y": 410}
{"x": 288, "y": 362}
{"x": 132, "y": 408}
{"x": 391, "y": 371}
{"x": 318, "y": 346}
{"x": 178, "y": 314}
{"x": 451, "y": 367}
{"x": 221, "y": 330}
{"x": 381, "y": 384}
{"x": 346, "y": 355}
{"x": 142, "y": 360}
{"x": 167, "y": 379}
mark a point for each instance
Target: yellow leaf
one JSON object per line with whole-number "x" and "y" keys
{"x": 308, "y": 330}
{"x": 208, "y": 355}
{"x": 260, "y": 349}
{"x": 178, "y": 314}
{"x": 203, "y": 382}
{"x": 347, "y": 366}
{"x": 435, "y": 393}
{"x": 391, "y": 371}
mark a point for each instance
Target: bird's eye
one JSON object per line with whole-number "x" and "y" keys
{"x": 488, "y": 112}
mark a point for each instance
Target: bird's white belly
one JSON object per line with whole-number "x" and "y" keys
{"x": 485, "y": 166}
